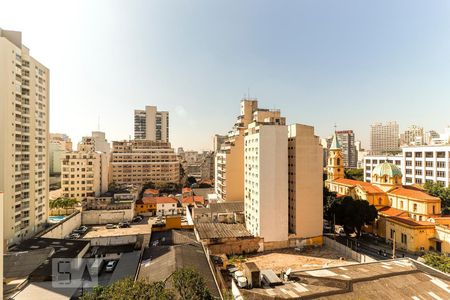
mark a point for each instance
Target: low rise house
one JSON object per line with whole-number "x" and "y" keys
{"x": 160, "y": 206}
{"x": 192, "y": 201}
{"x": 220, "y": 212}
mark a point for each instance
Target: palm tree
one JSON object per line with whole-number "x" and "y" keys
{"x": 64, "y": 203}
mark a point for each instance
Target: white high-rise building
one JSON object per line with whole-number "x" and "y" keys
{"x": 384, "y": 138}
{"x": 426, "y": 163}
{"x": 24, "y": 138}
{"x": 266, "y": 181}
{"x": 151, "y": 124}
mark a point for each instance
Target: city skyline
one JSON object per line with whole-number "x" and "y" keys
{"x": 317, "y": 69}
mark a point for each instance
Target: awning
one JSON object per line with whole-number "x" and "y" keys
{"x": 433, "y": 239}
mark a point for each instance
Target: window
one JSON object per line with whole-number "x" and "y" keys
{"x": 440, "y": 164}
{"x": 414, "y": 207}
{"x": 404, "y": 239}
{"x": 440, "y": 173}
{"x": 392, "y": 233}
{"x": 429, "y": 154}
{"x": 418, "y": 163}
{"x": 428, "y": 173}
{"x": 440, "y": 154}
{"x": 418, "y": 172}
{"x": 408, "y": 154}
{"x": 429, "y": 164}
{"x": 408, "y": 163}
{"x": 401, "y": 204}
{"x": 418, "y": 154}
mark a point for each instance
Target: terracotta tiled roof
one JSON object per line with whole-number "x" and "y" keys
{"x": 411, "y": 222}
{"x": 192, "y": 199}
{"x": 186, "y": 190}
{"x": 392, "y": 212}
{"x": 366, "y": 186}
{"x": 151, "y": 192}
{"x": 157, "y": 200}
{"x": 413, "y": 193}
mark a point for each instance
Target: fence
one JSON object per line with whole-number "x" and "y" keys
{"x": 346, "y": 251}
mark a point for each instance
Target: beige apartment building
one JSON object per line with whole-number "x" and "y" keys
{"x": 151, "y": 124}
{"x": 266, "y": 180}
{"x": 229, "y": 160}
{"x": 142, "y": 161}
{"x": 59, "y": 145}
{"x": 24, "y": 123}
{"x": 84, "y": 173}
{"x": 305, "y": 182}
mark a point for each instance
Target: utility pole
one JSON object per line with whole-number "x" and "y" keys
{"x": 393, "y": 247}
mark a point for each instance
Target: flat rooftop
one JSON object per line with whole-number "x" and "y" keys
{"x": 222, "y": 230}
{"x": 101, "y": 231}
{"x": 391, "y": 279}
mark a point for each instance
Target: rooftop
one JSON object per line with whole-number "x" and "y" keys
{"x": 221, "y": 230}
{"x": 226, "y": 207}
{"x": 414, "y": 193}
{"x": 391, "y": 279}
{"x": 156, "y": 200}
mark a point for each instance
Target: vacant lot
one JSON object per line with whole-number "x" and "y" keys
{"x": 305, "y": 260}
{"x": 144, "y": 227}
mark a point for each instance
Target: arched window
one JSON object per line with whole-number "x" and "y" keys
{"x": 379, "y": 201}
{"x": 338, "y": 161}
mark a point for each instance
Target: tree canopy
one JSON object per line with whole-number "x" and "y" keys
{"x": 183, "y": 284}
{"x": 63, "y": 203}
{"x": 355, "y": 174}
{"x": 438, "y": 261}
{"x": 437, "y": 190}
{"x": 353, "y": 214}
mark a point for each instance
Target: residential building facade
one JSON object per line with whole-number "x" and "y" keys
{"x": 371, "y": 161}
{"x": 142, "y": 161}
{"x": 151, "y": 124}
{"x": 426, "y": 164}
{"x": 24, "y": 120}
{"x": 347, "y": 141}
{"x": 84, "y": 173}
{"x": 384, "y": 138}
{"x": 305, "y": 182}
{"x": 413, "y": 136}
{"x": 266, "y": 180}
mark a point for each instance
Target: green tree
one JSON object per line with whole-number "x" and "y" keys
{"x": 437, "y": 190}
{"x": 189, "y": 284}
{"x": 128, "y": 289}
{"x": 438, "y": 261}
{"x": 355, "y": 174}
{"x": 190, "y": 181}
{"x": 64, "y": 203}
{"x": 353, "y": 214}
{"x": 328, "y": 199}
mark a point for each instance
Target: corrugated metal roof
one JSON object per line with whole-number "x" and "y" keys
{"x": 221, "y": 230}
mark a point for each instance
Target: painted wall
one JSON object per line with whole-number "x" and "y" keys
{"x": 63, "y": 228}
{"x": 98, "y": 217}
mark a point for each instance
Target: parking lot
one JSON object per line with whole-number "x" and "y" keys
{"x": 144, "y": 227}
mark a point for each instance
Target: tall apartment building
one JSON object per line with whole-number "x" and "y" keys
{"x": 413, "y": 135}
{"x": 305, "y": 182}
{"x": 218, "y": 140}
{"x": 98, "y": 140}
{"x": 84, "y": 173}
{"x": 142, "y": 161}
{"x": 347, "y": 141}
{"x": 229, "y": 176}
{"x": 59, "y": 145}
{"x": 426, "y": 163}
{"x": 266, "y": 180}
{"x": 24, "y": 123}
{"x": 384, "y": 138}
{"x": 151, "y": 124}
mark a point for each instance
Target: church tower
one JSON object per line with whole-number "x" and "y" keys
{"x": 335, "y": 160}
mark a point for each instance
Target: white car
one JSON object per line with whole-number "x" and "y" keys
{"x": 110, "y": 266}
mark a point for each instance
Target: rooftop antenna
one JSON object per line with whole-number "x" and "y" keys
{"x": 335, "y": 127}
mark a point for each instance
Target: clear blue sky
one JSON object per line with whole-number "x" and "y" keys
{"x": 320, "y": 62}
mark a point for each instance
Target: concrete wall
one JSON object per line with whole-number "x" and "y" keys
{"x": 230, "y": 247}
{"x": 63, "y": 228}
{"x": 346, "y": 251}
{"x": 114, "y": 240}
{"x": 98, "y": 217}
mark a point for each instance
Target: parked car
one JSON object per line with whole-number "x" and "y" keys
{"x": 82, "y": 229}
{"x": 137, "y": 219}
{"x": 74, "y": 236}
{"x": 110, "y": 226}
{"x": 110, "y": 266}
{"x": 124, "y": 225}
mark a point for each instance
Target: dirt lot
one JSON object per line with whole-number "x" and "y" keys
{"x": 305, "y": 260}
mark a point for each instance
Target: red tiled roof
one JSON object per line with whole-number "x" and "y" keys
{"x": 151, "y": 191}
{"x": 411, "y": 222}
{"x": 186, "y": 190}
{"x": 413, "y": 193}
{"x": 366, "y": 186}
{"x": 192, "y": 199}
{"x": 157, "y": 200}
{"x": 392, "y": 212}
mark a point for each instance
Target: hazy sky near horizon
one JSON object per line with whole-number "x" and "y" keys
{"x": 321, "y": 62}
